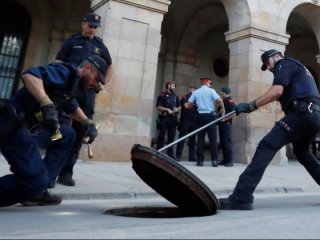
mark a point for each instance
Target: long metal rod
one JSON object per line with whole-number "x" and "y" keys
{"x": 197, "y": 130}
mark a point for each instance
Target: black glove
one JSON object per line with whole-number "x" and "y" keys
{"x": 50, "y": 118}
{"x": 90, "y": 130}
{"x": 246, "y": 107}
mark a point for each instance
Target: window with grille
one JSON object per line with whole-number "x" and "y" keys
{"x": 14, "y": 32}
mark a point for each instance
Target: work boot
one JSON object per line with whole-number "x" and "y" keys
{"x": 227, "y": 204}
{"x": 43, "y": 199}
{"x": 66, "y": 181}
{"x": 199, "y": 164}
{"x": 214, "y": 164}
{"x": 229, "y": 164}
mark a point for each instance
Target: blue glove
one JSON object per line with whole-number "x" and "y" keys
{"x": 246, "y": 107}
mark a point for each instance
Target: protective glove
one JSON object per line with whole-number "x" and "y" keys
{"x": 49, "y": 115}
{"x": 90, "y": 130}
{"x": 246, "y": 107}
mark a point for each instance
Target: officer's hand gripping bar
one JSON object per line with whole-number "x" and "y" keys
{"x": 198, "y": 130}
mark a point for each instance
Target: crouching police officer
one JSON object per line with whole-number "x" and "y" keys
{"x": 47, "y": 89}
{"x": 294, "y": 87}
{"x": 29, "y": 173}
{"x": 168, "y": 106}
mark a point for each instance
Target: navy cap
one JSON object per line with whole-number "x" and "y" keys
{"x": 93, "y": 19}
{"x": 226, "y": 90}
{"x": 101, "y": 66}
{"x": 265, "y": 57}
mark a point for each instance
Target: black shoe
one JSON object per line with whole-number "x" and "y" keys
{"x": 214, "y": 164}
{"x": 229, "y": 164}
{"x": 67, "y": 181}
{"x": 200, "y": 164}
{"x": 43, "y": 199}
{"x": 222, "y": 163}
{"x": 227, "y": 204}
{"x": 178, "y": 159}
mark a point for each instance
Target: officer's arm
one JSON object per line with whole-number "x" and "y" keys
{"x": 79, "y": 115}
{"x": 220, "y": 106}
{"x": 271, "y": 95}
{"x": 109, "y": 73}
{"x": 34, "y": 86}
{"x": 164, "y": 109}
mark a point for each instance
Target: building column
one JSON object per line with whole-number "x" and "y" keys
{"x": 248, "y": 82}
{"x": 131, "y": 31}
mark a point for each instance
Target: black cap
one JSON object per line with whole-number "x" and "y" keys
{"x": 265, "y": 57}
{"x": 169, "y": 82}
{"x": 226, "y": 90}
{"x": 93, "y": 19}
{"x": 101, "y": 66}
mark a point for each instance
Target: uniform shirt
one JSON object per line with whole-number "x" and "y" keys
{"x": 187, "y": 114}
{"x": 168, "y": 100}
{"x": 229, "y": 104}
{"x": 77, "y": 48}
{"x": 297, "y": 82}
{"x": 204, "y": 97}
{"x": 61, "y": 83}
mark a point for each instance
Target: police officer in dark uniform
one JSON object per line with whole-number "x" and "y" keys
{"x": 295, "y": 89}
{"x": 47, "y": 89}
{"x": 74, "y": 51}
{"x": 209, "y": 107}
{"x": 29, "y": 173}
{"x": 188, "y": 123}
{"x": 168, "y": 106}
{"x": 225, "y": 129}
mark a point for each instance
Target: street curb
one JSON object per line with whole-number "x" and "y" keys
{"x": 146, "y": 195}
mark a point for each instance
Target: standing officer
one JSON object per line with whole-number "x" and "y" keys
{"x": 29, "y": 173}
{"x": 188, "y": 123}
{"x": 74, "y": 51}
{"x": 209, "y": 106}
{"x": 225, "y": 129}
{"x": 47, "y": 89}
{"x": 168, "y": 106}
{"x": 294, "y": 87}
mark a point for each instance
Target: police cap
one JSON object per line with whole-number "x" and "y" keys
{"x": 169, "y": 83}
{"x": 226, "y": 90}
{"x": 205, "y": 80}
{"x": 265, "y": 57}
{"x": 101, "y": 66}
{"x": 93, "y": 19}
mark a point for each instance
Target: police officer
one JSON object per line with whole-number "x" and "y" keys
{"x": 29, "y": 176}
{"x": 209, "y": 106}
{"x": 225, "y": 128}
{"x": 74, "y": 50}
{"x": 168, "y": 106}
{"x": 47, "y": 89}
{"x": 294, "y": 87}
{"x": 188, "y": 123}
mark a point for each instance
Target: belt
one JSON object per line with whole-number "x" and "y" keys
{"x": 313, "y": 107}
{"x": 304, "y": 106}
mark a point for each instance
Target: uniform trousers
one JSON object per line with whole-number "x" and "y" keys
{"x": 30, "y": 175}
{"x": 57, "y": 152}
{"x": 187, "y": 126}
{"x": 167, "y": 127}
{"x": 225, "y": 136}
{"x": 211, "y": 131}
{"x": 298, "y": 128}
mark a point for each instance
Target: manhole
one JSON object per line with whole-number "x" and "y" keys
{"x": 173, "y": 181}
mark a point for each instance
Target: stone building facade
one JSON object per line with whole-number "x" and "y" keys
{"x": 153, "y": 41}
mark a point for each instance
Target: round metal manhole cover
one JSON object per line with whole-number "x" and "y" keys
{"x": 173, "y": 181}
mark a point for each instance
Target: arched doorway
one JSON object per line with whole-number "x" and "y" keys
{"x": 15, "y": 24}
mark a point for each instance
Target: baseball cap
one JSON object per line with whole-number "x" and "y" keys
{"x": 265, "y": 57}
{"x": 93, "y": 19}
{"x": 226, "y": 90}
{"x": 101, "y": 66}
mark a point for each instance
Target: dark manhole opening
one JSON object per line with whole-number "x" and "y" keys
{"x": 153, "y": 212}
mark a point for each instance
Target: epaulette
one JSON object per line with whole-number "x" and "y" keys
{"x": 76, "y": 35}
{"x": 98, "y": 39}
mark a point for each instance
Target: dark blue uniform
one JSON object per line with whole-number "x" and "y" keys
{"x": 74, "y": 51}
{"x": 167, "y": 123}
{"x": 29, "y": 173}
{"x": 300, "y": 101}
{"x": 188, "y": 123}
{"x": 60, "y": 81}
{"x": 225, "y": 132}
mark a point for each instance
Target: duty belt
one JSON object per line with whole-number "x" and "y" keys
{"x": 313, "y": 107}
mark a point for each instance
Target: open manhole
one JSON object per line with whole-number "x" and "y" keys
{"x": 173, "y": 182}
{"x": 151, "y": 212}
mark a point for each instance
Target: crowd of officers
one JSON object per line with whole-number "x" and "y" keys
{"x": 196, "y": 108}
